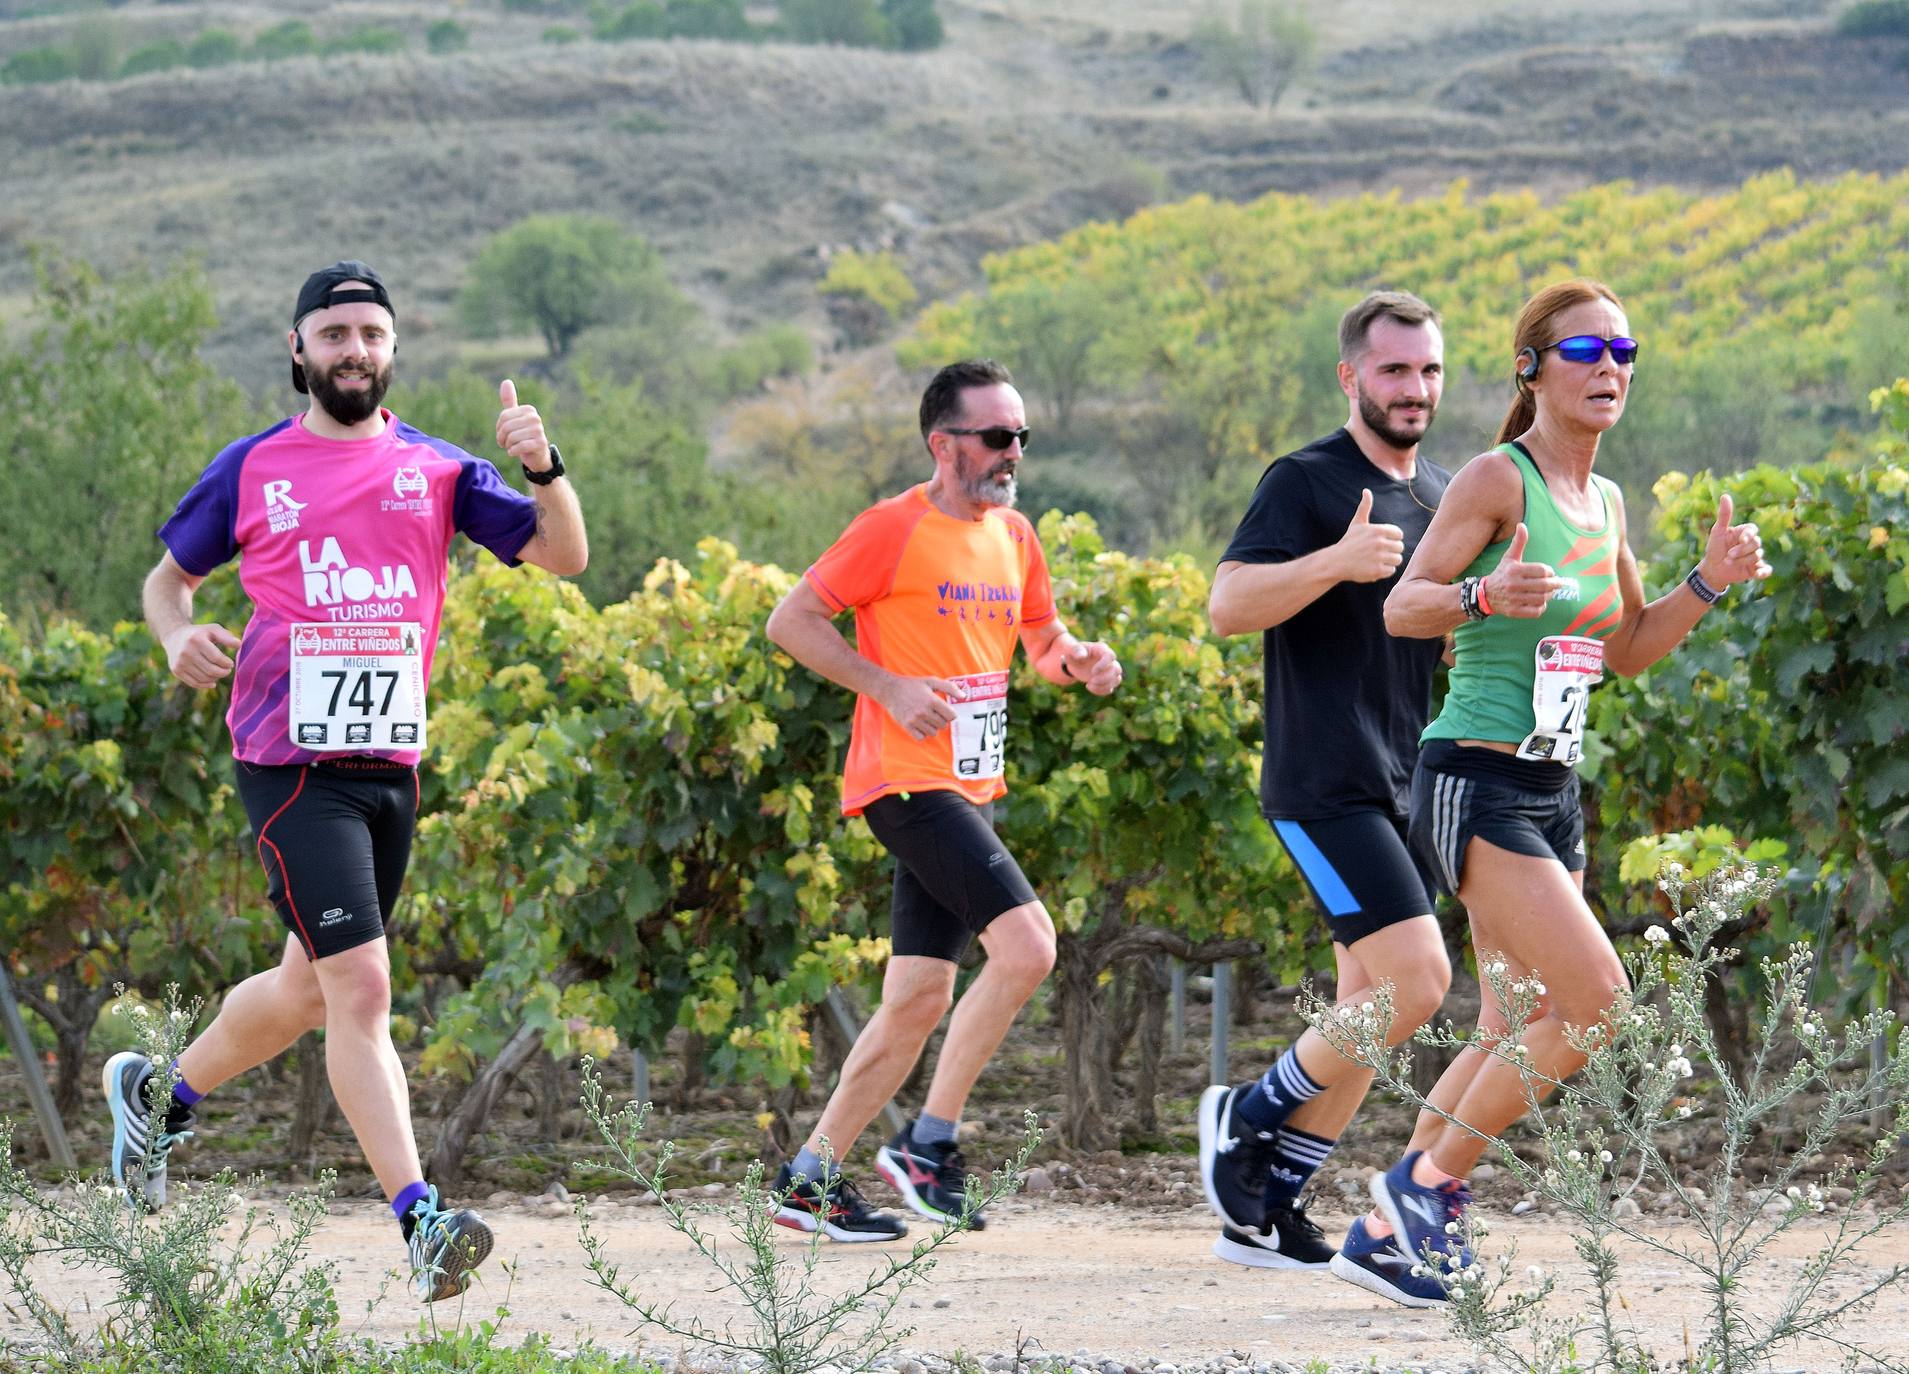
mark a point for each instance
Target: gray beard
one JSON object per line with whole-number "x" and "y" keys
{"x": 982, "y": 490}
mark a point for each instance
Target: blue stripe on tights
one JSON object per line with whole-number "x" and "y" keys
{"x": 1318, "y": 869}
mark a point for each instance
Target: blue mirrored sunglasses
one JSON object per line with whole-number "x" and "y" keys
{"x": 1588, "y": 348}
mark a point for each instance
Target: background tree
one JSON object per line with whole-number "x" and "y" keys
{"x": 112, "y": 413}
{"x": 853, "y": 23}
{"x": 1265, "y": 47}
{"x": 563, "y": 274}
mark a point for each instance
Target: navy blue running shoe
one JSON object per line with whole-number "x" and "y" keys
{"x": 1235, "y": 1159}
{"x": 1379, "y": 1266}
{"x": 1426, "y": 1222}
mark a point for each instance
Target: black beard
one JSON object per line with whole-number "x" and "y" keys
{"x": 349, "y": 407}
{"x": 1377, "y": 421}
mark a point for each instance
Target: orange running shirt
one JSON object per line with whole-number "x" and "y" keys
{"x": 934, "y": 597}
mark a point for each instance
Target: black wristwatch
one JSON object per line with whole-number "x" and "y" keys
{"x": 549, "y": 474}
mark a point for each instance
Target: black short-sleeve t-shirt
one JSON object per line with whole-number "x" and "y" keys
{"x": 1345, "y": 701}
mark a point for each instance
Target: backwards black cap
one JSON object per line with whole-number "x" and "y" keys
{"x": 326, "y": 287}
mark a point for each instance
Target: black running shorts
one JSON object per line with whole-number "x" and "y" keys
{"x": 334, "y": 837}
{"x": 1462, "y": 792}
{"x": 952, "y": 873}
{"x": 1360, "y": 871}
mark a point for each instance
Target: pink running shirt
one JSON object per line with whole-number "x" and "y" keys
{"x": 335, "y": 530}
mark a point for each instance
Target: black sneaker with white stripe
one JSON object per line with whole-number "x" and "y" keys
{"x": 1235, "y": 1159}
{"x": 140, "y": 1153}
{"x": 839, "y": 1211}
{"x": 1290, "y": 1240}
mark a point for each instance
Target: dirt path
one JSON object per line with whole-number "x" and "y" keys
{"x": 1072, "y": 1278}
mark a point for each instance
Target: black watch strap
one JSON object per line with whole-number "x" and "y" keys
{"x": 549, "y": 474}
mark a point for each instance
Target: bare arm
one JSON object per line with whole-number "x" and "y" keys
{"x": 194, "y": 652}
{"x": 1732, "y": 554}
{"x": 1065, "y": 660}
{"x": 1250, "y": 597}
{"x": 1483, "y": 505}
{"x": 803, "y": 626}
{"x": 558, "y": 544}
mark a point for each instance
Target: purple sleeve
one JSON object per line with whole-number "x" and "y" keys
{"x": 203, "y": 531}
{"x": 490, "y": 511}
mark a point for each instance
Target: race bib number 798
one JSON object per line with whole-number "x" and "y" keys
{"x": 357, "y": 687}
{"x": 980, "y": 725}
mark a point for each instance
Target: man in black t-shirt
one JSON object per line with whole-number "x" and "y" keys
{"x": 1319, "y": 548}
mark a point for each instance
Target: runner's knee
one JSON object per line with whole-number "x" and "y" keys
{"x": 1417, "y": 998}
{"x": 1022, "y": 950}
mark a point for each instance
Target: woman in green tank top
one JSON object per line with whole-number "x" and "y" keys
{"x": 1526, "y": 565}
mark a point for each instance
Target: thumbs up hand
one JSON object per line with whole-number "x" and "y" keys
{"x": 1732, "y": 553}
{"x": 1517, "y": 588}
{"x": 520, "y": 429}
{"x": 1369, "y": 552}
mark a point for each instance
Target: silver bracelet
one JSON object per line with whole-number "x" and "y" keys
{"x": 1705, "y": 593}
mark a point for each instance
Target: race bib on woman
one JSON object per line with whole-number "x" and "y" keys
{"x": 1568, "y": 667}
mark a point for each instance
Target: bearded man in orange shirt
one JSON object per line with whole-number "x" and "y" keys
{"x": 944, "y": 580}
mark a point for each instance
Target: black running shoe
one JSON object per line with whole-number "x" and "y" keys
{"x": 1289, "y": 1240}
{"x": 932, "y": 1179}
{"x": 139, "y": 1152}
{"x": 839, "y": 1211}
{"x": 1235, "y": 1159}
{"x": 446, "y": 1248}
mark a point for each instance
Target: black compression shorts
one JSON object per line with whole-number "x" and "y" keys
{"x": 1462, "y": 792}
{"x": 952, "y": 873}
{"x": 1360, "y": 871}
{"x": 335, "y": 838}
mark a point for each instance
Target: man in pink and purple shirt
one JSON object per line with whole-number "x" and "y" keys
{"x": 342, "y": 518}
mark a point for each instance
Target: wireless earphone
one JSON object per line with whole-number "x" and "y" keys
{"x": 1527, "y": 364}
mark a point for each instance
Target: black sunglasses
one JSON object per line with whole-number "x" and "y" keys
{"x": 996, "y": 437}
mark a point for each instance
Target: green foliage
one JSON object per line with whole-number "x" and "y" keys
{"x": 657, "y": 823}
{"x": 161, "y": 56}
{"x": 780, "y": 350}
{"x": 447, "y": 36}
{"x": 563, "y": 274}
{"x": 641, "y": 19}
{"x": 1764, "y": 310}
{"x": 1801, "y": 677}
{"x": 794, "y": 1325}
{"x": 95, "y": 48}
{"x": 1655, "y": 1078}
{"x": 1875, "y": 19}
{"x": 31, "y": 66}
{"x": 293, "y": 38}
{"x": 109, "y": 396}
{"x": 706, "y": 19}
{"x": 852, "y": 23}
{"x": 213, "y": 48}
{"x": 866, "y": 293}
{"x": 1261, "y": 49}
{"x": 191, "y": 1290}
{"x": 562, "y": 33}
{"x": 367, "y": 38}
{"x": 913, "y": 25}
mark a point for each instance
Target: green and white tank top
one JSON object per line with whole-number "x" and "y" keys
{"x": 1528, "y": 682}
